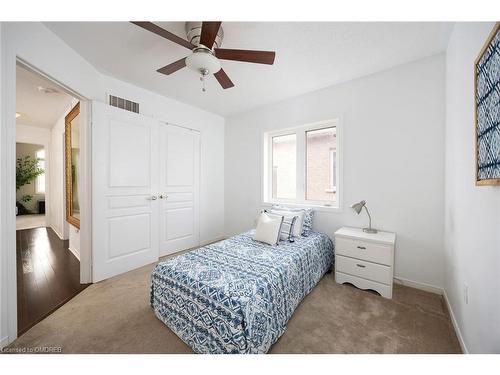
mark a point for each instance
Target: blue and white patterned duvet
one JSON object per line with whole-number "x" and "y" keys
{"x": 236, "y": 296}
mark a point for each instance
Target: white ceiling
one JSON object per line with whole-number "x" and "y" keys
{"x": 37, "y": 108}
{"x": 309, "y": 56}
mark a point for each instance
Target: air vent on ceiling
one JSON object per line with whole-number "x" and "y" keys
{"x": 125, "y": 104}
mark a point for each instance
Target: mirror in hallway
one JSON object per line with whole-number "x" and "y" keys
{"x": 72, "y": 147}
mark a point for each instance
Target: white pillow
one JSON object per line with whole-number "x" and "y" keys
{"x": 268, "y": 230}
{"x": 297, "y": 227}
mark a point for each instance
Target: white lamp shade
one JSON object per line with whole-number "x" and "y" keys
{"x": 201, "y": 61}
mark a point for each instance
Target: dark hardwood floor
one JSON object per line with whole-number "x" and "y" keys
{"x": 48, "y": 275}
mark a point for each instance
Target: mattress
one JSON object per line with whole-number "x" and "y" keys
{"x": 237, "y": 295}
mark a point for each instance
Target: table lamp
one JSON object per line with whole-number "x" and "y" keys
{"x": 357, "y": 207}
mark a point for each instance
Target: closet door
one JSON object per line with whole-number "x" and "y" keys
{"x": 179, "y": 188}
{"x": 124, "y": 187}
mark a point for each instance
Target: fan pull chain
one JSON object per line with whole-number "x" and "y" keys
{"x": 203, "y": 89}
{"x": 204, "y": 74}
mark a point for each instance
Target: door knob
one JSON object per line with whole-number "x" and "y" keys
{"x": 154, "y": 197}
{"x": 163, "y": 196}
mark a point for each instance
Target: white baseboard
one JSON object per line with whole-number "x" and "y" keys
{"x": 455, "y": 324}
{"x": 440, "y": 291}
{"x": 419, "y": 285}
{"x": 75, "y": 253}
{"x": 57, "y": 232}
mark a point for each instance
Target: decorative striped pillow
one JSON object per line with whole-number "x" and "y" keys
{"x": 307, "y": 216}
{"x": 297, "y": 228}
{"x": 287, "y": 227}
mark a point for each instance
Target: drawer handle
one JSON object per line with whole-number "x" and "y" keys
{"x": 360, "y": 265}
{"x": 362, "y": 247}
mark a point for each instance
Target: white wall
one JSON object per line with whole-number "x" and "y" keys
{"x": 472, "y": 213}
{"x": 32, "y": 134}
{"x": 30, "y": 42}
{"x": 393, "y": 125}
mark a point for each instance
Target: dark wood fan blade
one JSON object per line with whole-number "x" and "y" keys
{"x": 258, "y": 57}
{"x": 223, "y": 79}
{"x": 209, "y": 31}
{"x": 164, "y": 33}
{"x": 172, "y": 68}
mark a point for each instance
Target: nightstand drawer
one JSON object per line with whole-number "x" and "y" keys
{"x": 372, "y": 252}
{"x": 366, "y": 270}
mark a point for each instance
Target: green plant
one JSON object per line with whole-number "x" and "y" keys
{"x": 27, "y": 170}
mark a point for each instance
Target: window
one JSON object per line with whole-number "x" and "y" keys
{"x": 302, "y": 165}
{"x": 284, "y": 160}
{"x": 320, "y": 168}
{"x": 40, "y": 180}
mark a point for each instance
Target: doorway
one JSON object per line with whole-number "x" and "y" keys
{"x": 47, "y": 243}
{"x": 30, "y": 186}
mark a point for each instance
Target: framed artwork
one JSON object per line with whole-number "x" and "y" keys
{"x": 487, "y": 110}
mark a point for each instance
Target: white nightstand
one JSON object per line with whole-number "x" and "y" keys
{"x": 365, "y": 260}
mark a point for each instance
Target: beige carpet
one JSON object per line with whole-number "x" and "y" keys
{"x": 114, "y": 316}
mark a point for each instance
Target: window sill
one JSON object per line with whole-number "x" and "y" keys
{"x": 314, "y": 206}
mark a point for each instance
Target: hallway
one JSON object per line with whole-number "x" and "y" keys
{"x": 48, "y": 275}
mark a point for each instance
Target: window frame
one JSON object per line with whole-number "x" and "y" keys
{"x": 271, "y": 166}
{"x": 301, "y": 160}
{"x": 37, "y": 180}
{"x": 332, "y": 181}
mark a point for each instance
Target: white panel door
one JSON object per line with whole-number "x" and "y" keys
{"x": 124, "y": 185}
{"x": 179, "y": 188}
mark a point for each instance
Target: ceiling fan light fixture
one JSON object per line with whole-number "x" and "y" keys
{"x": 203, "y": 62}
{"x": 205, "y": 40}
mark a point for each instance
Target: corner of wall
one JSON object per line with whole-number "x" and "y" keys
{"x": 454, "y": 322}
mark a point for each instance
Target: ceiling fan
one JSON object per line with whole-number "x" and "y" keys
{"x": 205, "y": 39}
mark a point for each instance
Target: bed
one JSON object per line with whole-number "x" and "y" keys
{"x": 237, "y": 295}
